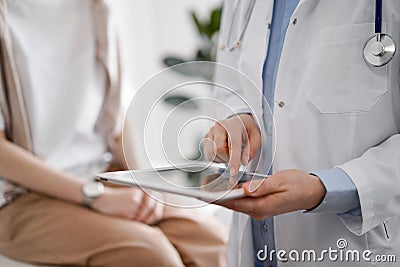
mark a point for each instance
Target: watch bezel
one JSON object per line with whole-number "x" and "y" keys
{"x": 93, "y": 189}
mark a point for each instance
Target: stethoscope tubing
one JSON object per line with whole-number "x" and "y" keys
{"x": 232, "y": 44}
{"x": 378, "y": 17}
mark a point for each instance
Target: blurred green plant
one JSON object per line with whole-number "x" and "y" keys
{"x": 210, "y": 26}
{"x": 207, "y": 29}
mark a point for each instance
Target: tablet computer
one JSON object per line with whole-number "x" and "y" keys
{"x": 207, "y": 183}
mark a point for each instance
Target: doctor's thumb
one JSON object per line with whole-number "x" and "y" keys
{"x": 253, "y": 186}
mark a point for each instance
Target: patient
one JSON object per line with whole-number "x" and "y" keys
{"x": 60, "y": 115}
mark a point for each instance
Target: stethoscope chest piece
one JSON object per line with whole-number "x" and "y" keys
{"x": 379, "y": 50}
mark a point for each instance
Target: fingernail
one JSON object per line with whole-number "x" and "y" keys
{"x": 254, "y": 185}
{"x": 232, "y": 181}
{"x": 246, "y": 159}
{"x": 232, "y": 171}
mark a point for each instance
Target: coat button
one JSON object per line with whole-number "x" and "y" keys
{"x": 294, "y": 22}
{"x": 237, "y": 44}
{"x": 281, "y": 104}
{"x": 268, "y": 26}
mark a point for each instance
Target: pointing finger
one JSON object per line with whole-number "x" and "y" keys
{"x": 235, "y": 150}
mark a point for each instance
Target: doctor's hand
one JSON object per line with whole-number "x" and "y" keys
{"x": 282, "y": 192}
{"x": 130, "y": 203}
{"x": 234, "y": 140}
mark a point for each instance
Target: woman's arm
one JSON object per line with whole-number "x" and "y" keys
{"x": 19, "y": 166}
{"x": 118, "y": 163}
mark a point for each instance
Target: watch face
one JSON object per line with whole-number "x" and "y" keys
{"x": 93, "y": 189}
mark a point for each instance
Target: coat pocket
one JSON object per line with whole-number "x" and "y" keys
{"x": 337, "y": 79}
{"x": 386, "y": 230}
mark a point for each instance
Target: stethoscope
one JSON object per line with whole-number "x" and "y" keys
{"x": 380, "y": 49}
{"x": 230, "y": 46}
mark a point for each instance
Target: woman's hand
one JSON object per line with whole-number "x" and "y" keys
{"x": 282, "y": 192}
{"x": 130, "y": 203}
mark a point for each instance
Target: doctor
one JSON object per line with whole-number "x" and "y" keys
{"x": 335, "y": 182}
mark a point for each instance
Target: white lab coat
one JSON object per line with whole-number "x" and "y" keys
{"x": 337, "y": 112}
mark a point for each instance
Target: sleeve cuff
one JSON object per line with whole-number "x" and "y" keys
{"x": 341, "y": 193}
{"x": 240, "y": 111}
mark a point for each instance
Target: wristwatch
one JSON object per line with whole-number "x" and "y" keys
{"x": 91, "y": 190}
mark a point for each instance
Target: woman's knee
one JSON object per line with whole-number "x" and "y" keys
{"x": 155, "y": 250}
{"x": 200, "y": 239}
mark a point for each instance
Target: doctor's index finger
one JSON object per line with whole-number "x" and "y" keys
{"x": 246, "y": 149}
{"x": 235, "y": 149}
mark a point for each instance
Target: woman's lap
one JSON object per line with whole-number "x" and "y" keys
{"x": 43, "y": 230}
